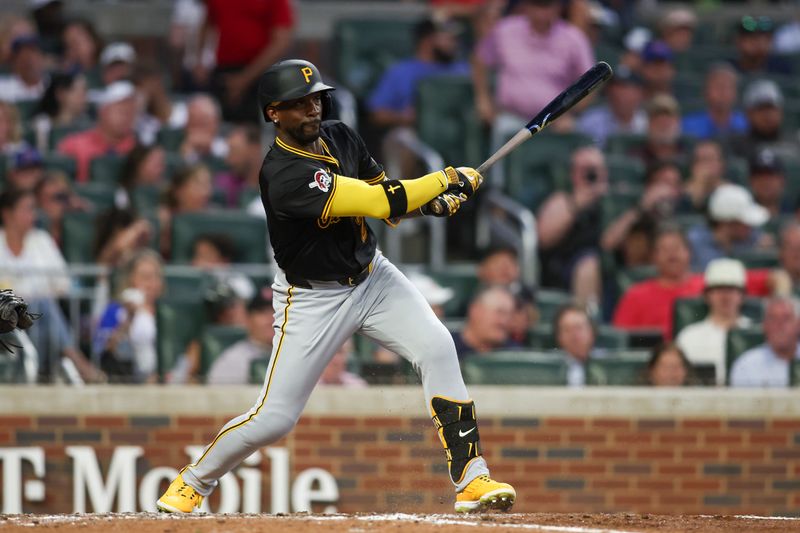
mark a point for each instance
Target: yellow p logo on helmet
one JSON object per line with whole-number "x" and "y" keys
{"x": 307, "y": 73}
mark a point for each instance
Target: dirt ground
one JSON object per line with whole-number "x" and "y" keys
{"x": 546, "y": 522}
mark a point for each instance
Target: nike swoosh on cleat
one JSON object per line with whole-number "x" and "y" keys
{"x": 465, "y": 433}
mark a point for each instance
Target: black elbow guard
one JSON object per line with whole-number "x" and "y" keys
{"x": 396, "y": 194}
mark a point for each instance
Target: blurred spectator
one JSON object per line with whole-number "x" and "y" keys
{"x": 391, "y": 103}
{"x": 630, "y": 236}
{"x": 28, "y": 76}
{"x": 787, "y": 38}
{"x": 189, "y": 191}
{"x": 25, "y": 169}
{"x": 488, "y": 322}
{"x": 113, "y": 133}
{"x": 251, "y": 36}
{"x": 754, "y": 48}
{"x": 677, "y": 27}
{"x": 621, "y": 113}
{"x": 223, "y": 307}
{"x": 201, "y": 138}
{"x": 11, "y": 27}
{"x": 232, "y": 367}
{"x": 719, "y": 118}
{"x": 668, "y": 367}
{"x": 768, "y": 365}
{"x": 734, "y": 222}
{"x": 704, "y": 342}
{"x": 119, "y": 232}
{"x": 663, "y": 141}
{"x": 336, "y": 372}
{"x": 768, "y": 182}
{"x": 63, "y": 105}
{"x": 591, "y": 17}
{"x": 116, "y": 63}
{"x": 244, "y": 160}
{"x": 569, "y": 229}
{"x": 82, "y": 47}
{"x": 10, "y": 129}
{"x": 790, "y": 253}
{"x": 145, "y": 166}
{"x": 49, "y": 18}
{"x": 657, "y": 69}
{"x": 536, "y": 56}
{"x": 574, "y": 334}
{"x": 763, "y": 102}
{"x": 216, "y": 253}
{"x": 648, "y": 304}
{"x": 706, "y": 173}
{"x": 55, "y": 198}
{"x": 125, "y": 339}
{"x": 31, "y": 264}
{"x": 156, "y": 108}
{"x": 184, "y": 39}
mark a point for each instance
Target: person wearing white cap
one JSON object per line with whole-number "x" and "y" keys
{"x": 769, "y": 364}
{"x": 117, "y": 61}
{"x": 677, "y": 28}
{"x": 735, "y": 219}
{"x": 704, "y": 342}
{"x": 113, "y": 134}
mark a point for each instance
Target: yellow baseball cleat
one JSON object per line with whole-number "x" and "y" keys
{"x": 179, "y": 498}
{"x": 484, "y": 494}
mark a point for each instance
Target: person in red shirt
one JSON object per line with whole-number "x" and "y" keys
{"x": 251, "y": 36}
{"x": 114, "y": 133}
{"x": 648, "y": 304}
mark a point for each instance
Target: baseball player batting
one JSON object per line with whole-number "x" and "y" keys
{"x": 318, "y": 183}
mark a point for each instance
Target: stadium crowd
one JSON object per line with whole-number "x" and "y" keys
{"x": 667, "y": 213}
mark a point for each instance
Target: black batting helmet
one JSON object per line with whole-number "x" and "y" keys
{"x": 287, "y": 80}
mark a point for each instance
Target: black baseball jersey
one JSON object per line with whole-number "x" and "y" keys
{"x": 297, "y": 188}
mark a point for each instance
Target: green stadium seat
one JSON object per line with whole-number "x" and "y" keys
{"x": 248, "y": 233}
{"x": 625, "y": 277}
{"x": 366, "y": 47}
{"x": 9, "y": 370}
{"x": 534, "y": 170}
{"x": 178, "y": 321}
{"x": 625, "y": 174}
{"x": 622, "y": 143}
{"x": 791, "y": 168}
{"x": 171, "y": 138}
{"x": 690, "y": 310}
{"x": 185, "y": 284}
{"x": 146, "y": 198}
{"x": 26, "y": 109}
{"x": 464, "y": 285}
{"x": 621, "y": 369}
{"x": 62, "y": 163}
{"x": 541, "y": 338}
{"x": 794, "y": 378}
{"x": 737, "y": 169}
{"x": 614, "y": 204}
{"x": 548, "y": 302}
{"x": 99, "y": 195}
{"x": 759, "y": 258}
{"x": 78, "y": 232}
{"x": 515, "y": 368}
{"x": 247, "y": 196}
{"x": 738, "y": 342}
{"x": 258, "y": 370}
{"x": 215, "y": 340}
{"x": 106, "y": 169}
{"x": 446, "y": 119}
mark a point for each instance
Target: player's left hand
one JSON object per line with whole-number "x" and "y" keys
{"x": 445, "y": 205}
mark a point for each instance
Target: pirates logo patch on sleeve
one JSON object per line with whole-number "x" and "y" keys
{"x": 322, "y": 181}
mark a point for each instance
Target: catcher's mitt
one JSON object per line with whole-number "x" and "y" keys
{"x": 13, "y": 314}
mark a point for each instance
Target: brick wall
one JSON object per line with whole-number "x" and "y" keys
{"x": 573, "y": 464}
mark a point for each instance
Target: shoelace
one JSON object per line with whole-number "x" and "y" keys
{"x": 186, "y": 487}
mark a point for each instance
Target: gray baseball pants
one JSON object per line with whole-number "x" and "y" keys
{"x": 310, "y": 325}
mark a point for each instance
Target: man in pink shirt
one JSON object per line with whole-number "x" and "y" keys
{"x": 536, "y": 56}
{"x": 114, "y": 133}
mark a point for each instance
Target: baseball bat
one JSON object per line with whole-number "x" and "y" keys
{"x": 589, "y": 82}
